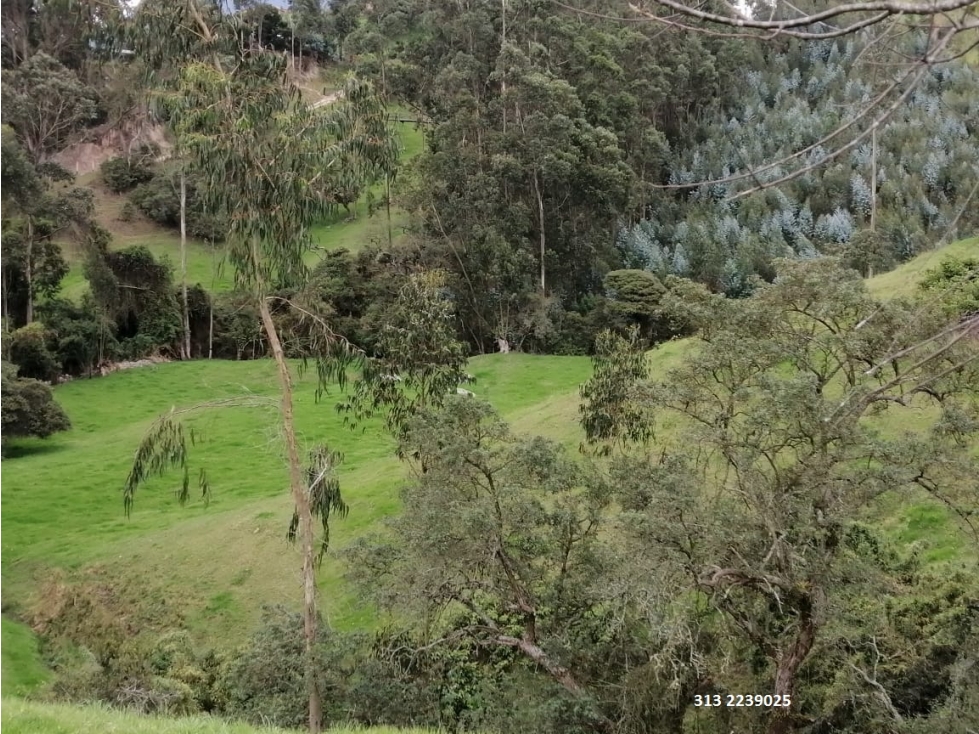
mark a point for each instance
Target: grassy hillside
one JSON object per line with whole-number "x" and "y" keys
{"x": 62, "y": 503}
{"x": 23, "y": 717}
{"x": 205, "y": 263}
{"x": 62, "y": 507}
{"x": 22, "y": 669}
{"x": 902, "y": 281}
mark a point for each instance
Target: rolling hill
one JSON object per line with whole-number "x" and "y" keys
{"x": 62, "y": 504}
{"x": 205, "y": 263}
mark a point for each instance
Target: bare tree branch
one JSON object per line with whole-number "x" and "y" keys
{"x": 882, "y": 10}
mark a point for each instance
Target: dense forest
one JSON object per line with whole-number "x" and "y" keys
{"x": 698, "y": 208}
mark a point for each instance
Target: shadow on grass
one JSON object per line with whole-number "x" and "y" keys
{"x": 18, "y": 449}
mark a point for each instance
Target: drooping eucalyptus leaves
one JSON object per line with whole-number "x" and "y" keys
{"x": 271, "y": 161}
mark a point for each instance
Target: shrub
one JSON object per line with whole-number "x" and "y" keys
{"x": 958, "y": 283}
{"x": 28, "y": 408}
{"x": 117, "y": 641}
{"x": 265, "y": 683}
{"x": 27, "y": 348}
{"x": 159, "y": 200}
{"x": 128, "y": 212}
{"x": 123, "y": 173}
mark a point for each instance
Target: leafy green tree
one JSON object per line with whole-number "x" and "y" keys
{"x": 46, "y": 103}
{"x": 545, "y": 133}
{"x": 771, "y": 447}
{"x": 612, "y": 411}
{"x": 308, "y": 21}
{"x": 81, "y": 337}
{"x": 27, "y": 349}
{"x": 35, "y": 212}
{"x": 75, "y": 32}
{"x": 499, "y": 539}
{"x": 341, "y": 22}
{"x": 633, "y": 299}
{"x": 419, "y": 361}
{"x": 29, "y": 408}
{"x": 135, "y": 292}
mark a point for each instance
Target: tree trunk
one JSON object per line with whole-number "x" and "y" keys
{"x": 210, "y": 307}
{"x": 540, "y": 213}
{"x": 502, "y": 47}
{"x": 29, "y": 270}
{"x": 387, "y": 205}
{"x": 873, "y": 178}
{"x": 557, "y": 671}
{"x": 185, "y": 347}
{"x": 785, "y": 673}
{"x": 300, "y": 496}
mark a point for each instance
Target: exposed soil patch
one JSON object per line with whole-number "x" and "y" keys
{"x": 102, "y": 143}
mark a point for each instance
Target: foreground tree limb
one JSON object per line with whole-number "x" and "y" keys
{"x": 788, "y": 26}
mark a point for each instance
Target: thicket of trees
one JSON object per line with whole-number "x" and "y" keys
{"x": 589, "y": 186}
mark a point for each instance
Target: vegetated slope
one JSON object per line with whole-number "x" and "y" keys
{"x": 25, "y": 717}
{"x": 903, "y": 280}
{"x": 205, "y": 263}
{"x": 62, "y": 503}
{"x": 22, "y": 668}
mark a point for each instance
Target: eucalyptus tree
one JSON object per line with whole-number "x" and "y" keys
{"x": 911, "y": 185}
{"x": 264, "y": 154}
{"x": 948, "y": 31}
{"x": 542, "y": 139}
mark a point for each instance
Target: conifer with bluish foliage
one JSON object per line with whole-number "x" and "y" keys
{"x": 927, "y": 162}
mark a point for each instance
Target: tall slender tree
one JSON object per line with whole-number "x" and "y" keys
{"x": 262, "y": 152}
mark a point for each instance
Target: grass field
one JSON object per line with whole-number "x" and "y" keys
{"x": 62, "y": 503}
{"x": 25, "y": 717}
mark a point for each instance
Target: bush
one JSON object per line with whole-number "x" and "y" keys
{"x": 208, "y": 227}
{"x": 159, "y": 200}
{"x": 27, "y": 348}
{"x": 128, "y": 212}
{"x": 115, "y": 640}
{"x": 265, "y": 682}
{"x": 28, "y": 408}
{"x": 123, "y": 174}
{"x": 958, "y": 283}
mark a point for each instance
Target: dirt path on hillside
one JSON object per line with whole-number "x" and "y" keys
{"x": 328, "y": 99}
